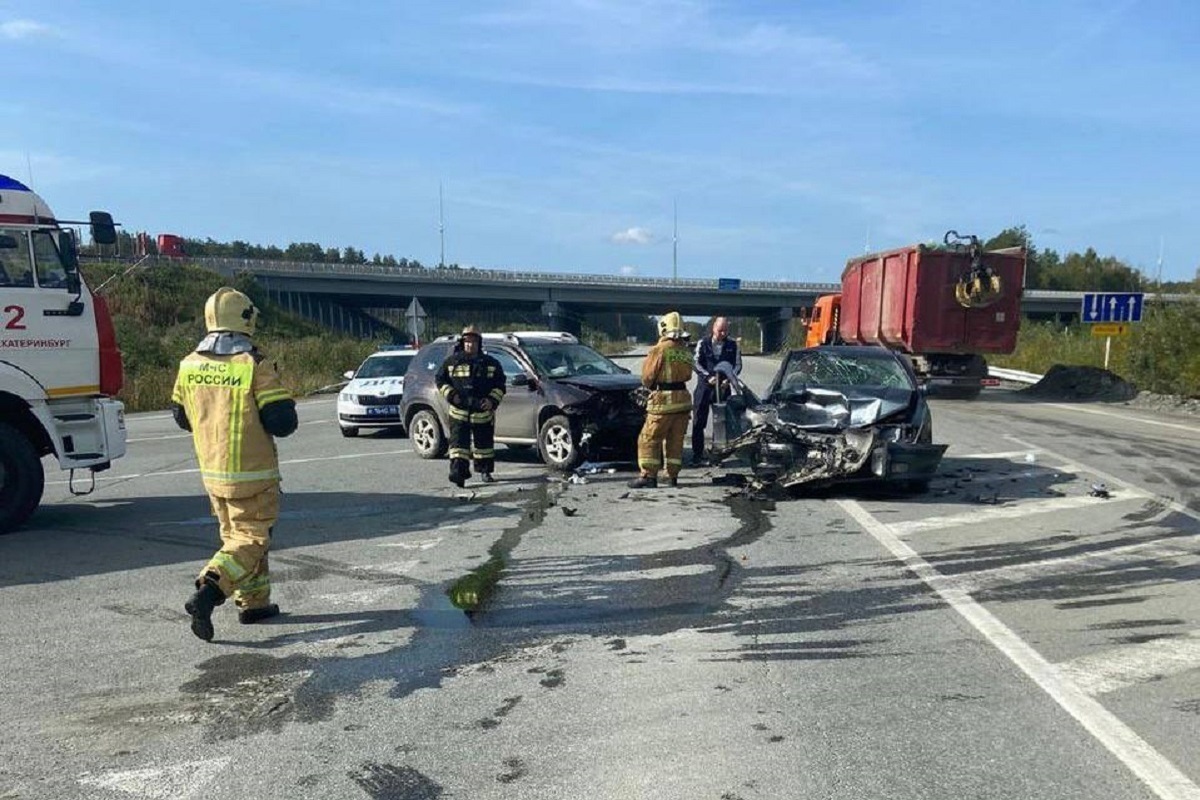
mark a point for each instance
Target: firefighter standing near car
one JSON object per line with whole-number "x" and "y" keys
{"x": 472, "y": 383}
{"x": 665, "y": 372}
{"x": 232, "y": 401}
{"x": 710, "y": 351}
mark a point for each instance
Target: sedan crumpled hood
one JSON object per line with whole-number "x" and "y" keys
{"x": 825, "y": 409}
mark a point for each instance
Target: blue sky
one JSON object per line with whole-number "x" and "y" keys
{"x": 790, "y": 134}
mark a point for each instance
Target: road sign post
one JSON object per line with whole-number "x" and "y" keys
{"x": 414, "y": 317}
{"x": 1109, "y": 314}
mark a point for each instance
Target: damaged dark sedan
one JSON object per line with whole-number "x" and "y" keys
{"x": 831, "y": 415}
{"x": 563, "y": 397}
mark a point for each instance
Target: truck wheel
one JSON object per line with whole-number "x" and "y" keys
{"x": 425, "y": 433}
{"x": 557, "y": 445}
{"x": 21, "y": 478}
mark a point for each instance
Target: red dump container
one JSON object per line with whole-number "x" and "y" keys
{"x": 905, "y": 299}
{"x": 170, "y": 245}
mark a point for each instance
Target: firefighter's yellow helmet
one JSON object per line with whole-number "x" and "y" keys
{"x": 229, "y": 310}
{"x": 670, "y": 326}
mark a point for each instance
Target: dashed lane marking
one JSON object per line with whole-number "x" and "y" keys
{"x": 1151, "y": 767}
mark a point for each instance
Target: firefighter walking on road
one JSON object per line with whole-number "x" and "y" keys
{"x": 665, "y": 373}
{"x": 473, "y": 384}
{"x": 232, "y": 401}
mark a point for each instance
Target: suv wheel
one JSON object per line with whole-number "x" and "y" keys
{"x": 557, "y": 445}
{"x": 425, "y": 433}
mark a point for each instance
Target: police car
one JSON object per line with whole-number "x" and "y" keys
{"x": 372, "y": 397}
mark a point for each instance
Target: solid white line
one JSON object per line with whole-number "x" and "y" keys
{"x": 197, "y": 469}
{"x": 1150, "y": 766}
{"x": 1123, "y": 417}
{"x": 1016, "y": 511}
{"x": 1008, "y": 456}
{"x": 1131, "y": 664}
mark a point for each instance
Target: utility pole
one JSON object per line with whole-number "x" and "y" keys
{"x": 675, "y": 241}
{"x": 441, "y": 226}
{"x": 1158, "y": 276}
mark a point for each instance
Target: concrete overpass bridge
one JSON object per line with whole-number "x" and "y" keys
{"x": 339, "y": 294}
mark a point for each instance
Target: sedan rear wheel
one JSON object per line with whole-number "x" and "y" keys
{"x": 557, "y": 445}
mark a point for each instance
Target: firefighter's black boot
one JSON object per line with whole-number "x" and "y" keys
{"x": 459, "y": 471}
{"x": 486, "y": 477}
{"x": 200, "y": 606}
{"x": 248, "y": 616}
{"x": 644, "y": 482}
{"x": 672, "y": 481}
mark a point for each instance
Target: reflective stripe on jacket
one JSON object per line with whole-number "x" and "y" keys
{"x": 669, "y": 361}
{"x": 222, "y": 396}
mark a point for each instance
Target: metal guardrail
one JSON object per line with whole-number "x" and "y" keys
{"x": 1014, "y": 375}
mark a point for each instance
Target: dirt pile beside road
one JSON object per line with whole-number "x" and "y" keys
{"x": 1082, "y": 383}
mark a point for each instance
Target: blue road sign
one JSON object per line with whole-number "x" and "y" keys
{"x": 729, "y": 284}
{"x": 1112, "y": 307}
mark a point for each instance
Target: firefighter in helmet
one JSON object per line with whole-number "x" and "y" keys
{"x": 231, "y": 399}
{"x": 665, "y": 372}
{"x": 473, "y": 384}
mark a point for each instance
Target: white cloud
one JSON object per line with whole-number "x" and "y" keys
{"x": 629, "y": 270}
{"x": 23, "y": 29}
{"x": 633, "y": 236}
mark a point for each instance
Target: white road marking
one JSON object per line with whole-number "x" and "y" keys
{"x": 363, "y": 597}
{"x": 1151, "y": 767}
{"x": 1113, "y": 480}
{"x": 423, "y": 544}
{"x": 1015, "y": 511}
{"x": 159, "y": 438}
{"x": 1131, "y": 664}
{"x": 178, "y": 781}
{"x": 1117, "y": 557}
{"x": 1007, "y": 456}
{"x": 396, "y": 567}
{"x": 197, "y": 469}
{"x": 1124, "y": 417}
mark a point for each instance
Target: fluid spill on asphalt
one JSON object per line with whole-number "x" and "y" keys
{"x": 390, "y": 782}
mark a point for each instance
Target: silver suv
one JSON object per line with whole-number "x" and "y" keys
{"x": 563, "y": 397}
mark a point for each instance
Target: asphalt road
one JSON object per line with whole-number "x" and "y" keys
{"x": 1005, "y": 636}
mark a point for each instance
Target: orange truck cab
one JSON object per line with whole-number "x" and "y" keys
{"x": 823, "y": 323}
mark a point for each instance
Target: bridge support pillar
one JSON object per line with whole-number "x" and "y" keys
{"x": 775, "y": 330}
{"x": 558, "y": 318}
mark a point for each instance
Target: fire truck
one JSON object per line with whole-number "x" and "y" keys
{"x": 60, "y": 368}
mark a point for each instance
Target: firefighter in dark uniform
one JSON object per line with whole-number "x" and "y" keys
{"x": 231, "y": 399}
{"x": 472, "y": 383}
{"x": 710, "y": 351}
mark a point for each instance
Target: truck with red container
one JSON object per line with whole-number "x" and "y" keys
{"x": 60, "y": 368}
{"x": 946, "y": 307}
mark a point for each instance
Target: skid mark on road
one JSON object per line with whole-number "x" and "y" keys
{"x": 1150, "y": 766}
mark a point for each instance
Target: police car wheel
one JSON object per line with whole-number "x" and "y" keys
{"x": 425, "y": 433}
{"x": 21, "y": 478}
{"x": 557, "y": 445}
{"x": 349, "y": 432}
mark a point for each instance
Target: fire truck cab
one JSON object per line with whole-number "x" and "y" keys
{"x": 60, "y": 367}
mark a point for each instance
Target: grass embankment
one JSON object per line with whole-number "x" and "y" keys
{"x": 1161, "y": 354}
{"x": 158, "y": 313}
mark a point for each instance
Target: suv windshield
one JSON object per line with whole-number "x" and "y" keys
{"x": 822, "y": 369}
{"x": 384, "y": 367}
{"x": 562, "y": 360}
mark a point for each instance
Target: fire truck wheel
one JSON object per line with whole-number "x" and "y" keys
{"x": 21, "y": 478}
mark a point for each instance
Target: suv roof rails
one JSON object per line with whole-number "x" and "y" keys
{"x": 516, "y": 336}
